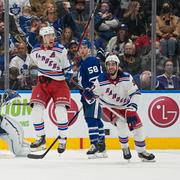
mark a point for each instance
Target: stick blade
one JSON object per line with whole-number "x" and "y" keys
{"x": 35, "y": 156}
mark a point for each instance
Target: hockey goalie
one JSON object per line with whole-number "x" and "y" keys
{"x": 10, "y": 130}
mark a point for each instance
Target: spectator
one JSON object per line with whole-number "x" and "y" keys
{"x": 33, "y": 35}
{"x": 80, "y": 17}
{"x": 143, "y": 80}
{"x": 25, "y": 20}
{"x": 37, "y": 7}
{"x": 116, "y": 43}
{"x": 168, "y": 29}
{"x": 22, "y": 60}
{"x": 135, "y": 20}
{"x": 143, "y": 42}
{"x": 17, "y": 36}
{"x": 105, "y": 22}
{"x": 160, "y": 59}
{"x": 50, "y": 15}
{"x": 128, "y": 61}
{"x": 64, "y": 12}
{"x": 66, "y": 37}
{"x": 168, "y": 80}
{"x": 72, "y": 51}
{"x": 16, "y": 7}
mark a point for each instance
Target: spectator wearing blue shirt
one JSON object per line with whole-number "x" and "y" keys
{"x": 168, "y": 80}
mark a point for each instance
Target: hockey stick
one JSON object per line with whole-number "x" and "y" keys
{"x": 21, "y": 104}
{"x": 40, "y": 156}
{"x": 87, "y": 24}
{"x": 83, "y": 35}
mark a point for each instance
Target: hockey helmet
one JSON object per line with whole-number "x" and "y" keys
{"x": 86, "y": 42}
{"x": 112, "y": 58}
{"x": 46, "y": 30}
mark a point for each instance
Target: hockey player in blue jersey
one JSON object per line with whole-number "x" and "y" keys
{"x": 89, "y": 70}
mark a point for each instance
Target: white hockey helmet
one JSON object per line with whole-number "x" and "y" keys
{"x": 112, "y": 58}
{"x": 46, "y": 30}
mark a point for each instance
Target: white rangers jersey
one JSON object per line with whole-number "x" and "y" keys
{"x": 122, "y": 93}
{"x": 52, "y": 63}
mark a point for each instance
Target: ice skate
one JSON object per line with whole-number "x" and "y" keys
{"x": 39, "y": 144}
{"x": 126, "y": 153}
{"x": 102, "y": 150}
{"x": 92, "y": 152}
{"x": 62, "y": 145}
{"x": 146, "y": 157}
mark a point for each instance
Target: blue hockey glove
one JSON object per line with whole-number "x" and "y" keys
{"x": 88, "y": 94}
{"x": 131, "y": 117}
{"x": 68, "y": 76}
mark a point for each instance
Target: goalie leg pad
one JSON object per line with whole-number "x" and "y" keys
{"x": 14, "y": 136}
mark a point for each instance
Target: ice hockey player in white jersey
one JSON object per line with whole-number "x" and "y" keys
{"x": 118, "y": 92}
{"x": 10, "y": 130}
{"x": 53, "y": 68}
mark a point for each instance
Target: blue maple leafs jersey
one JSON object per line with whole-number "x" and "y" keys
{"x": 89, "y": 70}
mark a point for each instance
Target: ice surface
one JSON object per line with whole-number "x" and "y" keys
{"x": 74, "y": 165}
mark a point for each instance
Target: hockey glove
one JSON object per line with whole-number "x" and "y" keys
{"x": 68, "y": 76}
{"x": 131, "y": 117}
{"x": 88, "y": 94}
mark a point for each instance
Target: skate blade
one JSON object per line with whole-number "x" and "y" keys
{"x": 128, "y": 160}
{"x": 93, "y": 156}
{"x": 102, "y": 155}
{"x": 43, "y": 147}
{"x": 145, "y": 160}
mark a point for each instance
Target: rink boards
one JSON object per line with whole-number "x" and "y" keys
{"x": 159, "y": 111}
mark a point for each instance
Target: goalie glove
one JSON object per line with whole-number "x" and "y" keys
{"x": 131, "y": 117}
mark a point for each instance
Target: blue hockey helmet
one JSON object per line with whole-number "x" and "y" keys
{"x": 86, "y": 42}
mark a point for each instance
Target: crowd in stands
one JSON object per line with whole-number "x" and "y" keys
{"x": 121, "y": 27}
